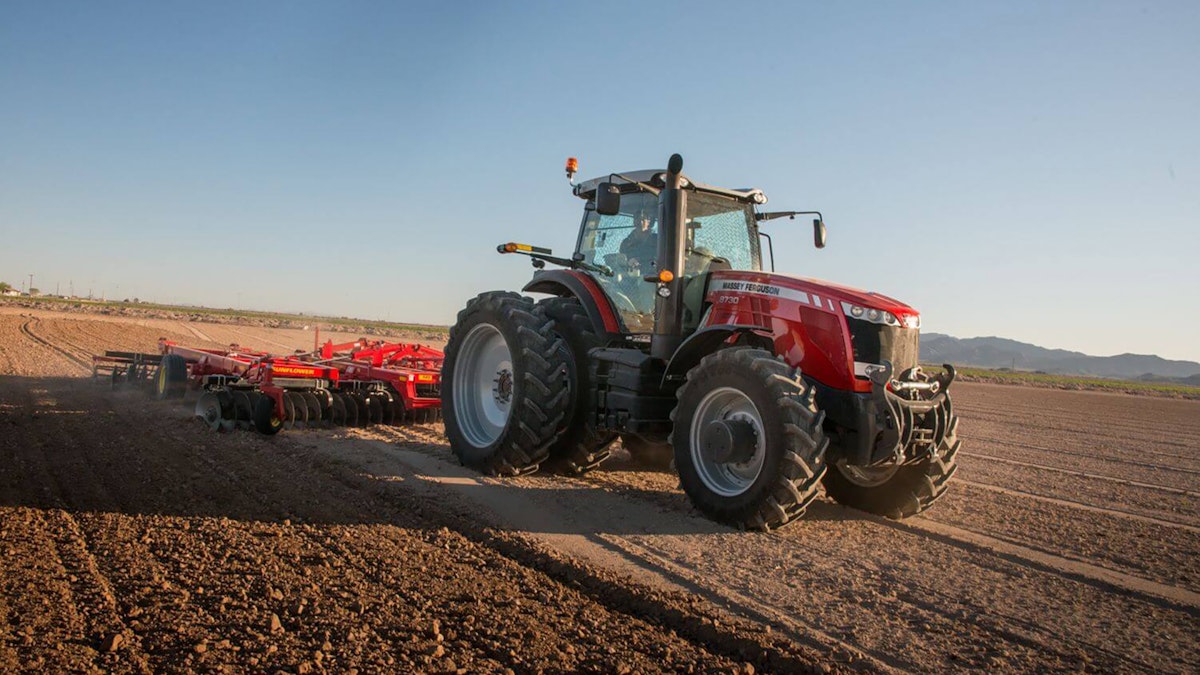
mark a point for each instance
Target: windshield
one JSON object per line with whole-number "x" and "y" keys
{"x": 627, "y": 243}
{"x": 720, "y": 228}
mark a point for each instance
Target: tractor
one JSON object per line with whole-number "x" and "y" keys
{"x": 664, "y": 329}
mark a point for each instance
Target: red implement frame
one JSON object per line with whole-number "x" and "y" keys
{"x": 413, "y": 371}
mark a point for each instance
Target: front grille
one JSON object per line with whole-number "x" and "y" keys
{"x": 433, "y": 390}
{"x": 875, "y": 343}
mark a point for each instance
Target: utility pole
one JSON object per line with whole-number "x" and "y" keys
{"x": 58, "y": 288}
{"x": 31, "y": 283}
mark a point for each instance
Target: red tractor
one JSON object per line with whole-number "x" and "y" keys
{"x": 664, "y": 329}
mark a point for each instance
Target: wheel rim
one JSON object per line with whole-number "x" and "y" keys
{"x": 728, "y": 479}
{"x": 868, "y": 476}
{"x": 208, "y": 410}
{"x": 483, "y": 385}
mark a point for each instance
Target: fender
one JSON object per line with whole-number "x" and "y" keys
{"x": 706, "y": 341}
{"x": 595, "y": 303}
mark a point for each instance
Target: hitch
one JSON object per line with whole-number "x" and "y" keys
{"x": 901, "y": 407}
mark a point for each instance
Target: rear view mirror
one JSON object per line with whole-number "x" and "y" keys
{"x": 818, "y": 233}
{"x": 608, "y": 199}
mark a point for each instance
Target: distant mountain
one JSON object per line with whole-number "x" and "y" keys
{"x": 994, "y": 352}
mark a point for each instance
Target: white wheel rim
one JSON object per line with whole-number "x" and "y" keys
{"x": 484, "y": 385}
{"x": 727, "y": 479}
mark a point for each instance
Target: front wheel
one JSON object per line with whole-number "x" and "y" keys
{"x": 899, "y": 491}
{"x": 748, "y": 441}
{"x": 504, "y": 389}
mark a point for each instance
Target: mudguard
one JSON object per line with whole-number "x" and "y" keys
{"x": 578, "y": 284}
{"x": 703, "y": 342}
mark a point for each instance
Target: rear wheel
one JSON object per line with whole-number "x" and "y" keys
{"x": 899, "y": 491}
{"x": 581, "y": 447}
{"x": 748, "y": 441}
{"x": 503, "y": 398}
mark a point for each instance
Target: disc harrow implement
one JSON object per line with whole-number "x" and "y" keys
{"x": 354, "y": 384}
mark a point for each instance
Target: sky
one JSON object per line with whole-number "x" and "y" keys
{"x": 1029, "y": 170}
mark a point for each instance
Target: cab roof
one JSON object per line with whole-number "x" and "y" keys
{"x": 657, "y": 177}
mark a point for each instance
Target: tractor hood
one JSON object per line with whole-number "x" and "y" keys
{"x": 816, "y": 292}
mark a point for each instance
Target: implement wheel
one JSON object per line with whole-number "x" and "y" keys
{"x": 374, "y": 408}
{"x": 266, "y": 420}
{"x": 314, "y": 409}
{"x": 337, "y": 410}
{"x": 208, "y": 410}
{"x": 362, "y": 413}
{"x": 289, "y": 411}
{"x": 581, "y": 447}
{"x": 748, "y": 441}
{"x": 171, "y": 381}
{"x": 503, "y": 392}
{"x": 389, "y": 409}
{"x": 900, "y": 491}
{"x": 299, "y": 408}
{"x": 351, "y": 409}
{"x": 243, "y": 409}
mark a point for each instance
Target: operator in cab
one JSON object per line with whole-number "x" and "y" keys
{"x": 641, "y": 246}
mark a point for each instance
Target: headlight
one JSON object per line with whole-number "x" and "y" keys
{"x": 879, "y": 316}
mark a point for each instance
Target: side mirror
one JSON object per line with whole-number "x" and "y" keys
{"x": 818, "y": 233}
{"x": 608, "y": 199}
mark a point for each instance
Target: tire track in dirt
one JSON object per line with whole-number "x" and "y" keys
{"x": 196, "y": 332}
{"x": 1031, "y": 423}
{"x": 1082, "y": 506}
{"x": 1178, "y": 432}
{"x": 950, "y": 600}
{"x": 1016, "y": 631}
{"x": 1084, "y": 474}
{"x": 232, "y": 465}
{"x": 86, "y": 593}
{"x": 437, "y": 479}
{"x": 373, "y": 571}
{"x": 1069, "y": 453}
{"x": 1042, "y": 559}
{"x": 1104, "y": 578}
{"x": 27, "y": 329}
{"x": 1074, "y": 567}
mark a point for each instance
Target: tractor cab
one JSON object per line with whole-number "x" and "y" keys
{"x": 720, "y": 232}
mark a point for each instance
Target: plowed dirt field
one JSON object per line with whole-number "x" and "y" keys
{"x": 132, "y": 539}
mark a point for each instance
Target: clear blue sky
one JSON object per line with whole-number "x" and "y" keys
{"x": 1029, "y": 170}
